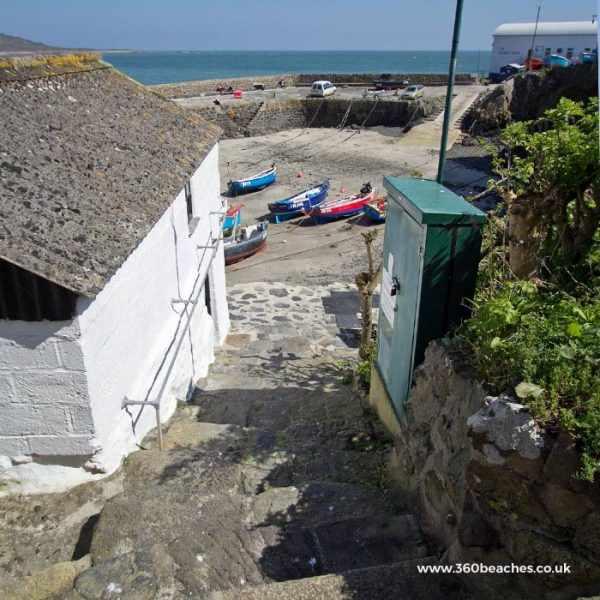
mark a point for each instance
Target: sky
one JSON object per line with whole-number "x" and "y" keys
{"x": 273, "y": 24}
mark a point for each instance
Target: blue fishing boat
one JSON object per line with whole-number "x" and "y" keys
{"x": 376, "y": 210}
{"x": 555, "y": 60}
{"x": 299, "y": 203}
{"x": 252, "y": 184}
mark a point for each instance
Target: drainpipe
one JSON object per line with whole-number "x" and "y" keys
{"x": 451, "y": 74}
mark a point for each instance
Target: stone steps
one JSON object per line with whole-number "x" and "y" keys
{"x": 398, "y": 581}
{"x": 272, "y": 483}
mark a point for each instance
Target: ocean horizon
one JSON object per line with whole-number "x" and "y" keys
{"x": 152, "y": 68}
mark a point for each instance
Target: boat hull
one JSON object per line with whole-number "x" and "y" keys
{"x": 374, "y": 213}
{"x": 238, "y": 249}
{"x": 253, "y": 184}
{"x": 341, "y": 209}
{"x": 299, "y": 204}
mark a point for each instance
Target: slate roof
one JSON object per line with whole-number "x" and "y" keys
{"x": 89, "y": 161}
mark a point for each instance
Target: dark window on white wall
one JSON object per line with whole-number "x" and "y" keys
{"x": 189, "y": 204}
{"x": 188, "y": 201}
{"x": 548, "y": 52}
{"x": 207, "y": 299}
{"x": 569, "y": 52}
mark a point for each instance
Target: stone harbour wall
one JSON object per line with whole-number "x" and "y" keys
{"x": 188, "y": 89}
{"x": 494, "y": 488}
{"x": 242, "y": 118}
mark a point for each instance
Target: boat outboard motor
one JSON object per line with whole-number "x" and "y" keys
{"x": 367, "y": 188}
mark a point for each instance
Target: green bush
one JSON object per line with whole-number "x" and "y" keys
{"x": 543, "y": 344}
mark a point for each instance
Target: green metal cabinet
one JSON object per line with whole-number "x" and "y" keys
{"x": 430, "y": 259}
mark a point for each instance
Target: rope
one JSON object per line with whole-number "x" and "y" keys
{"x": 345, "y": 117}
{"x": 370, "y": 112}
{"x": 316, "y": 113}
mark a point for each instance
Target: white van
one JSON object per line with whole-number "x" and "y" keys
{"x": 322, "y": 88}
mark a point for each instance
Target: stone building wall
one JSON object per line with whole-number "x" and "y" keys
{"x": 62, "y": 419}
{"x": 491, "y": 486}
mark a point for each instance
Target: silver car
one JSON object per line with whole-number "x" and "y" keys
{"x": 412, "y": 92}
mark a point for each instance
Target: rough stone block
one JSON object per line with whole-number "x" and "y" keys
{"x": 81, "y": 420}
{"x": 51, "y": 387}
{"x": 16, "y": 419}
{"x": 13, "y": 446}
{"x": 565, "y": 507}
{"x": 70, "y": 355}
{"x": 61, "y": 445}
{"x": 24, "y": 354}
{"x": 7, "y": 391}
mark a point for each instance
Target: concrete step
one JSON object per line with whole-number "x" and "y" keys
{"x": 276, "y": 408}
{"x": 316, "y": 503}
{"x": 398, "y": 581}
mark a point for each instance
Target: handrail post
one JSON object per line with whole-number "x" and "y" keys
{"x": 451, "y": 75}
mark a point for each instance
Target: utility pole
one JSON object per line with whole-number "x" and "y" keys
{"x": 537, "y": 20}
{"x": 449, "y": 90}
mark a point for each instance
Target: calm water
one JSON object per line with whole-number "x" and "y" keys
{"x": 171, "y": 67}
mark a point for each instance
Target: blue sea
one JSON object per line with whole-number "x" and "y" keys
{"x": 172, "y": 67}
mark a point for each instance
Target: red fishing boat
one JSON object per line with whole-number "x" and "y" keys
{"x": 331, "y": 210}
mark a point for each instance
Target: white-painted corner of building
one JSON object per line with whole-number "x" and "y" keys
{"x": 62, "y": 385}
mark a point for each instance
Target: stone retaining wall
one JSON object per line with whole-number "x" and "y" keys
{"x": 368, "y": 78}
{"x": 241, "y": 118}
{"x": 188, "y": 89}
{"x": 492, "y": 487}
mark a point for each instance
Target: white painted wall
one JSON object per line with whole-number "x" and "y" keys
{"x": 514, "y": 49}
{"x": 136, "y": 343}
{"x": 62, "y": 384}
{"x": 44, "y": 400}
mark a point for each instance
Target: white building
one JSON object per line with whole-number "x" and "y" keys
{"x": 112, "y": 281}
{"x": 513, "y": 41}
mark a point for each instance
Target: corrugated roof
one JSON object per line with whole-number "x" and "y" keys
{"x": 89, "y": 162}
{"x": 559, "y": 28}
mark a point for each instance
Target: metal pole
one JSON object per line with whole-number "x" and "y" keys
{"x": 451, "y": 74}
{"x": 161, "y": 445}
{"x": 537, "y": 20}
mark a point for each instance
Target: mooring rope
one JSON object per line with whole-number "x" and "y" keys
{"x": 346, "y": 114}
{"x": 370, "y": 112}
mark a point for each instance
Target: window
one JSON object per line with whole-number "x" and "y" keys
{"x": 207, "y": 299}
{"x": 188, "y": 201}
{"x": 569, "y": 53}
{"x": 192, "y": 220}
{"x": 587, "y": 49}
{"x": 559, "y": 51}
{"x": 548, "y": 52}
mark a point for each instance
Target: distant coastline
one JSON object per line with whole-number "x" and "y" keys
{"x": 152, "y": 68}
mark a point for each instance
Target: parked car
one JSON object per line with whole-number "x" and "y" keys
{"x": 387, "y": 82}
{"x": 412, "y": 92}
{"x": 322, "y": 88}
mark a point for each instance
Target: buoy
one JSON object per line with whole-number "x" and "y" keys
{"x": 299, "y": 174}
